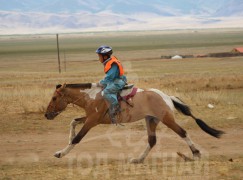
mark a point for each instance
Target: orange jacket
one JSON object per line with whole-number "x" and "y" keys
{"x": 110, "y": 62}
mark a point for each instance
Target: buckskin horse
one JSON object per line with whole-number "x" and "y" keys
{"x": 151, "y": 104}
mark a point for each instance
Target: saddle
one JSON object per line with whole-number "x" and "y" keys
{"x": 128, "y": 86}
{"x": 127, "y": 93}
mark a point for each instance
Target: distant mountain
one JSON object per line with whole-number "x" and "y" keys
{"x": 84, "y": 15}
{"x": 46, "y": 20}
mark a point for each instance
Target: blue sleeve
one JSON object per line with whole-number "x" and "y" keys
{"x": 111, "y": 75}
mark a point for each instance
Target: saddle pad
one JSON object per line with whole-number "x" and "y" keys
{"x": 128, "y": 93}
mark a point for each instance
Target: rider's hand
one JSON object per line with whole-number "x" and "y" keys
{"x": 99, "y": 85}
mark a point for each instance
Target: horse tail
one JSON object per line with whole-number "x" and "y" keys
{"x": 185, "y": 109}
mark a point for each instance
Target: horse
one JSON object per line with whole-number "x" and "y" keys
{"x": 150, "y": 104}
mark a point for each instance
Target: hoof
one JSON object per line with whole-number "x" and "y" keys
{"x": 197, "y": 155}
{"x": 136, "y": 161}
{"x": 57, "y": 155}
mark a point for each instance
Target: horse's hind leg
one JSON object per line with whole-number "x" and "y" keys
{"x": 151, "y": 124}
{"x": 169, "y": 121}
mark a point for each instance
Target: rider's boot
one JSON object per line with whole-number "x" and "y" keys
{"x": 113, "y": 111}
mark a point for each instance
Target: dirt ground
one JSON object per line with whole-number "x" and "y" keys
{"x": 106, "y": 150}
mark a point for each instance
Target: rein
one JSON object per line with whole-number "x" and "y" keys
{"x": 62, "y": 96}
{"x": 56, "y": 106}
{"x": 76, "y": 100}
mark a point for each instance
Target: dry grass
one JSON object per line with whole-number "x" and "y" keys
{"x": 32, "y": 91}
{"x": 198, "y": 83}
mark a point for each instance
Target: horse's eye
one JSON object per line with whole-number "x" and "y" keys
{"x": 54, "y": 99}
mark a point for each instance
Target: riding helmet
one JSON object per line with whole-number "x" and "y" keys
{"x": 104, "y": 50}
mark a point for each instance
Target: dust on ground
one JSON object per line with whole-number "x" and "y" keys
{"x": 106, "y": 150}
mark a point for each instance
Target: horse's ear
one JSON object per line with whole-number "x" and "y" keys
{"x": 58, "y": 86}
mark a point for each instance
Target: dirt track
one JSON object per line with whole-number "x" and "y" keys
{"x": 108, "y": 149}
{"x": 37, "y": 147}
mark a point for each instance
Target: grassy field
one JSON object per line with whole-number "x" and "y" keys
{"x": 29, "y": 73}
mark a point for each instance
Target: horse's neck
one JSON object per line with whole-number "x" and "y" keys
{"x": 82, "y": 97}
{"x": 75, "y": 97}
{"x": 92, "y": 92}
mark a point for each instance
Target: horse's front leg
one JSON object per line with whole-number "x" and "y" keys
{"x": 73, "y": 124}
{"x": 72, "y": 134}
{"x": 89, "y": 123}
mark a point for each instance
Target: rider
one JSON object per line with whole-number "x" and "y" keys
{"x": 114, "y": 80}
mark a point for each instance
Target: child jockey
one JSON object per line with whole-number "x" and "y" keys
{"x": 114, "y": 80}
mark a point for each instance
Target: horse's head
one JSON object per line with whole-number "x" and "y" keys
{"x": 57, "y": 104}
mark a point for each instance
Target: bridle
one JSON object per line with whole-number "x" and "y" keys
{"x": 56, "y": 105}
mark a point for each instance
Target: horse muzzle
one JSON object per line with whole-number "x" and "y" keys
{"x": 51, "y": 115}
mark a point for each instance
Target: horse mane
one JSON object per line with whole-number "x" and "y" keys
{"x": 81, "y": 85}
